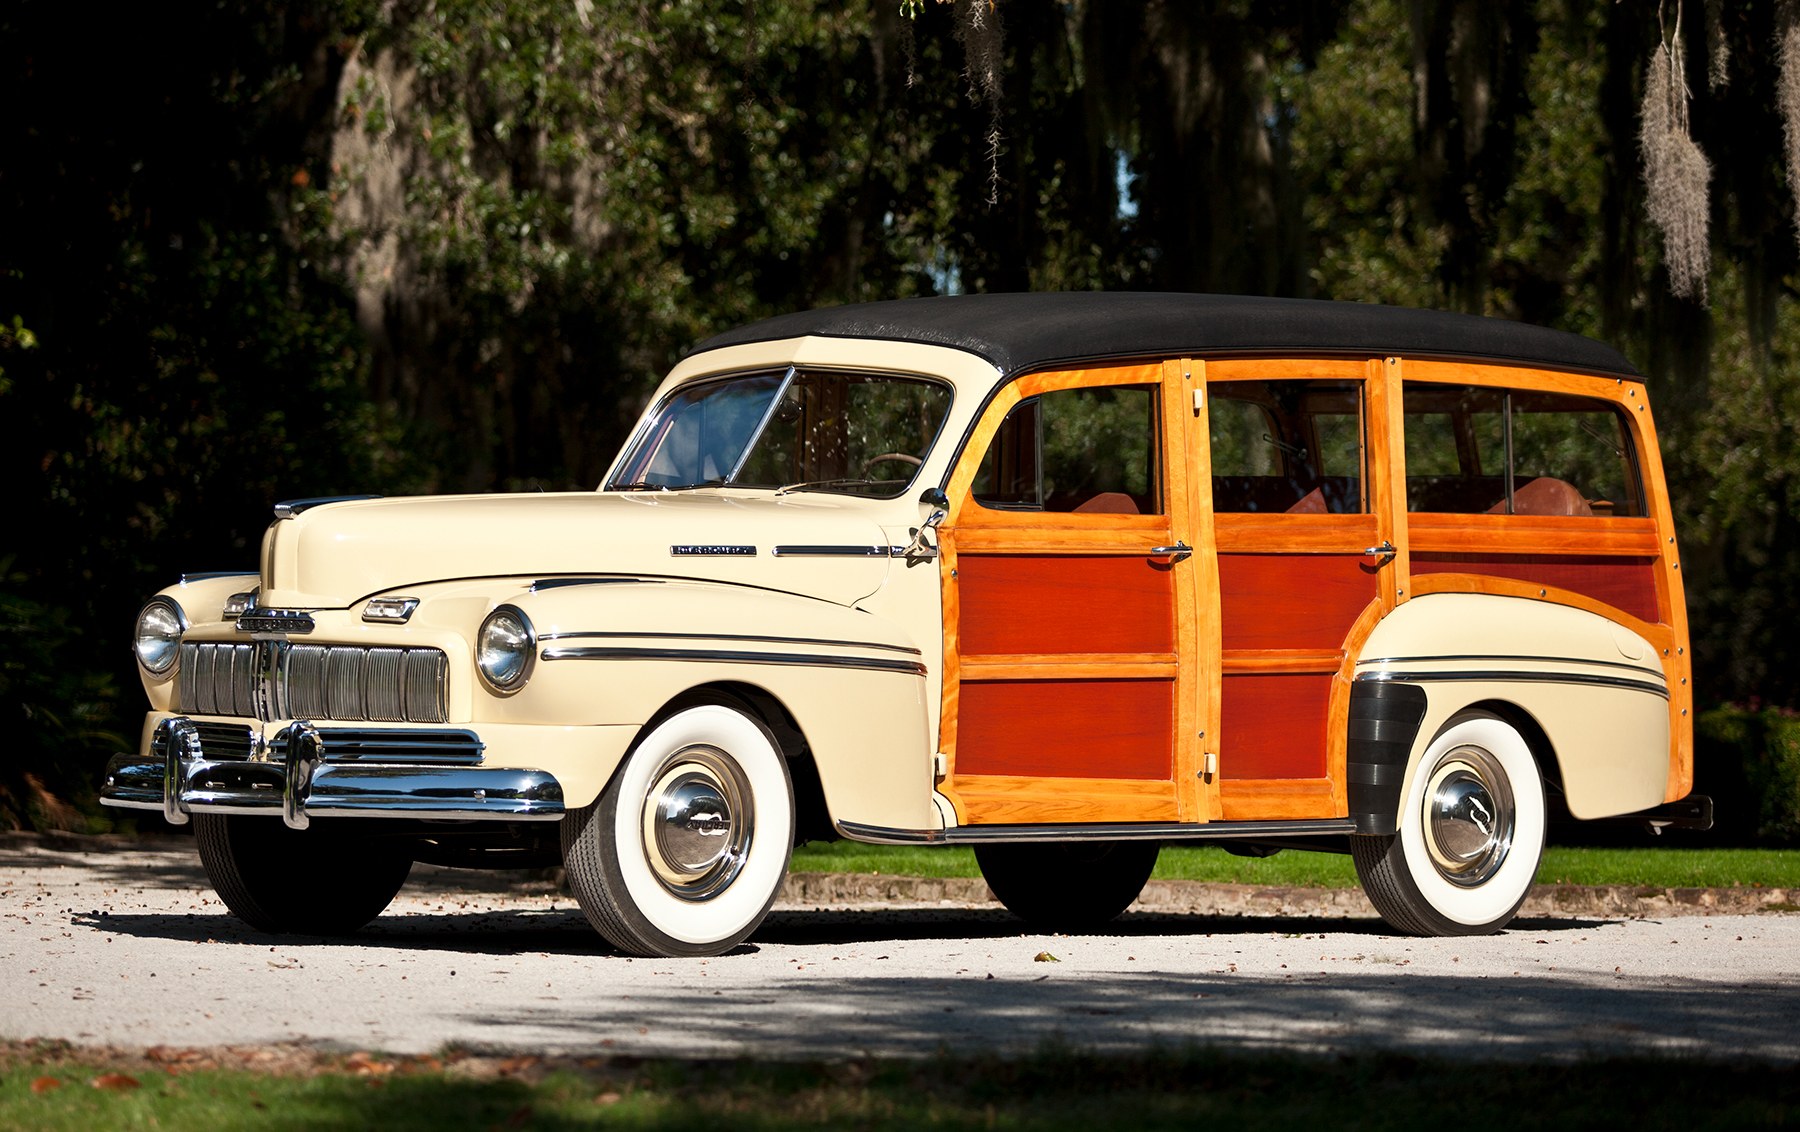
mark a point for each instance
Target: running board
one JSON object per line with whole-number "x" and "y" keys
{"x": 1098, "y": 831}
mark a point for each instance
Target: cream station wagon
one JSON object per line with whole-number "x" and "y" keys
{"x": 1062, "y": 577}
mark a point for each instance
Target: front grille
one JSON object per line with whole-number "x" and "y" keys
{"x": 280, "y": 680}
{"x": 392, "y": 748}
{"x": 219, "y": 742}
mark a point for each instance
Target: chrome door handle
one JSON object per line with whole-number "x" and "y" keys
{"x": 1174, "y": 553}
{"x": 1386, "y": 552}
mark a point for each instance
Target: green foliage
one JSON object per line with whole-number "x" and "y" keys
{"x": 1654, "y": 867}
{"x": 57, "y": 711}
{"x": 1056, "y": 1087}
{"x": 1749, "y": 759}
{"x": 359, "y": 247}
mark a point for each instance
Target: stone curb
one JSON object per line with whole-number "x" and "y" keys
{"x": 1199, "y": 898}
{"x": 801, "y": 890}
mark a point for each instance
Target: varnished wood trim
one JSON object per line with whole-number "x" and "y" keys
{"x": 950, "y": 595}
{"x": 1433, "y": 532}
{"x": 1291, "y": 661}
{"x": 1118, "y": 540}
{"x": 1251, "y": 799}
{"x": 1387, "y": 476}
{"x": 1204, "y": 692}
{"x": 1283, "y": 369}
{"x": 1518, "y": 377}
{"x": 1179, "y": 383}
{"x": 1671, "y": 600}
{"x": 1250, "y": 532}
{"x": 1068, "y": 666}
{"x": 997, "y": 798}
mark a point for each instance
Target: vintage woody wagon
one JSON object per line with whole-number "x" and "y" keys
{"x": 1062, "y": 577}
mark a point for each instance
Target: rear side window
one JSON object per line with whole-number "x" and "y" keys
{"x": 1293, "y": 447}
{"x": 1087, "y": 450}
{"x": 1482, "y": 450}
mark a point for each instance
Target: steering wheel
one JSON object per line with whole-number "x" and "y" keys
{"x": 900, "y": 457}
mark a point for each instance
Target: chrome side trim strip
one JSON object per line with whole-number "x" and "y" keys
{"x": 1502, "y": 657}
{"x": 732, "y": 656}
{"x": 562, "y": 583}
{"x": 806, "y": 551}
{"x": 1099, "y": 831}
{"x": 210, "y": 575}
{"x": 757, "y": 638}
{"x": 1514, "y": 676}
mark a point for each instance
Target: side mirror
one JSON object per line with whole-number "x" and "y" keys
{"x": 920, "y": 548}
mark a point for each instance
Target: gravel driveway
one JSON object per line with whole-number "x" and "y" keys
{"x": 124, "y": 945}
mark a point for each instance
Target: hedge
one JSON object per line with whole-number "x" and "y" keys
{"x": 1749, "y": 762}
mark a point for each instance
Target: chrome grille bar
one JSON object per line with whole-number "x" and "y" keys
{"x": 274, "y": 680}
{"x": 423, "y": 686}
{"x": 384, "y": 686}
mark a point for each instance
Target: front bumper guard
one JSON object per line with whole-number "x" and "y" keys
{"x": 305, "y": 783}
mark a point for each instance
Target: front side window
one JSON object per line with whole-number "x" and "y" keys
{"x": 1473, "y": 449}
{"x": 1088, "y": 450}
{"x": 863, "y": 434}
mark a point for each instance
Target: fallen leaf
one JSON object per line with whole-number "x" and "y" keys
{"x": 117, "y": 1082}
{"x": 45, "y": 1084}
{"x": 1045, "y": 957}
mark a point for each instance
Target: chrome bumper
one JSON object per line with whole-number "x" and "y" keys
{"x": 313, "y": 772}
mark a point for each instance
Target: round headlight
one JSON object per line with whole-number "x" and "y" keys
{"x": 504, "y": 649}
{"x": 158, "y": 639}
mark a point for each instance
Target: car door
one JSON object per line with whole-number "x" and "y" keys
{"x": 1306, "y": 543}
{"x": 1072, "y": 687}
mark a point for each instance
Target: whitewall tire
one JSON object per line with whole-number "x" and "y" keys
{"x": 686, "y": 848}
{"x": 1471, "y": 834}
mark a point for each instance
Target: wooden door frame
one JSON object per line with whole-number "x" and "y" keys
{"x": 969, "y": 529}
{"x": 1383, "y": 521}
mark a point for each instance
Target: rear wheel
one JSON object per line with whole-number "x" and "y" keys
{"x": 686, "y": 848}
{"x": 1471, "y": 834}
{"x": 302, "y": 882}
{"x": 1066, "y": 886}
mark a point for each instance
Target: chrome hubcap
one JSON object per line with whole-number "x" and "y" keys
{"x": 697, "y": 822}
{"x": 1469, "y": 816}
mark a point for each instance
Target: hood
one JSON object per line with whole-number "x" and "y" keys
{"x": 333, "y": 555}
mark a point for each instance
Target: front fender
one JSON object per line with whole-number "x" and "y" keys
{"x": 616, "y": 652}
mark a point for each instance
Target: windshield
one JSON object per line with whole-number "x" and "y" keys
{"x": 865, "y": 434}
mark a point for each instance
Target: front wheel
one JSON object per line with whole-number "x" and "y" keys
{"x": 302, "y": 882}
{"x": 1471, "y": 834}
{"x": 686, "y": 848}
{"x": 1067, "y": 886}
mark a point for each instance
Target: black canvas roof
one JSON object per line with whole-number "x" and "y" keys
{"x": 1021, "y": 332}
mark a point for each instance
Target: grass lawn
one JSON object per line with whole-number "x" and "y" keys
{"x": 51, "y": 1089}
{"x": 1658, "y": 868}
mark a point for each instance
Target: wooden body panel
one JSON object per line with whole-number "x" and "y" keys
{"x": 1626, "y": 584}
{"x": 1291, "y": 601}
{"x": 1065, "y": 604}
{"x": 1068, "y": 728}
{"x": 1085, "y": 680}
{"x": 1274, "y": 725}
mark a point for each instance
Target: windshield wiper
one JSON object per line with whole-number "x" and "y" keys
{"x": 809, "y": 485}
{"x": 716, "y": 481}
